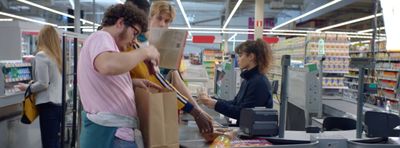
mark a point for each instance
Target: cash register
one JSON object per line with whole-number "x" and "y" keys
{"x": 259, "y": 121}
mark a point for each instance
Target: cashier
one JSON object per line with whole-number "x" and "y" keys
{"x": 255, "y": 57}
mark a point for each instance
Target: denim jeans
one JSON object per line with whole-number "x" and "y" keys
{"x": 50, "y": 124}
{"x": 119, "y": 143}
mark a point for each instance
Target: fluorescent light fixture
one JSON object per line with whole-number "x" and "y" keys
{"x": 348, "y": 33}
{"x": 88, "y": 30}
{"x": 350, "y": 22}
{"x": 82, "y": 27}
{"x": 232, "y": 13}
{"x": 285, "y": 34}
{"x": 26, "y": 19}
{"x": 184, "y": 15}
{"x": 6, "y": 20}
{"x": 71, "y": 2}
{"x": 306, "y": 14}
{"x": 186, "y": 28}
{"x": 370, "y": 30}
{"x": 266, "y": 31}
{"x": 232, "y": 37}
{"x": 56, "y": 11}
{"x": 120, "y": 1}
{"x": 207, "y": 32}
{"x": 294, "y": 31}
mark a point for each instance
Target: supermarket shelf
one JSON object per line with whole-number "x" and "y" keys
{"x": 356, "y": 77}
{"x": 274, "y": 73}
{"x": 388, "y": 60}
{"x": 10, "y": 65}
{"x": 352, "y": 90}
{"x": 353, "y": 69}
{"x": 335, "y": 87}
{"x": 15, "y": 80}
{"x": 342, "y": 72}
{"x": 386, "y": 78}
{"x": 389, "y": 98}
{"x": 387, "y": 88}
{"x": 351, "y": 83}
{"x": 382, "y": 51}
{"x": 359, "y": 51}
{"x": 383, "y": 69}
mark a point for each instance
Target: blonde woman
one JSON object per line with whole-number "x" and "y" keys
{"x": 162, "y": 13}
{"x": 47, "y": 86}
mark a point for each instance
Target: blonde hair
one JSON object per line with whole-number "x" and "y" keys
{"x": 49, "y": 42}
{"x": 162, "y": 7}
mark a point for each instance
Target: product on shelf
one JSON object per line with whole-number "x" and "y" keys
{"x": 210, "y": 58}
{"x": 13, "y": 72}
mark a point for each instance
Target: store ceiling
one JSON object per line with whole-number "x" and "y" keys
{"x": 210, "y": 13}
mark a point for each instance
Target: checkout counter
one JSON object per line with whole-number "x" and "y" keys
{"x": 189, "y": 137}
{"x": 313, "y": 107}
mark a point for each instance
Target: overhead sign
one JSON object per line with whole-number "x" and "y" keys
{"x": 210, "y": 39}
{"x": 270, "y": 40}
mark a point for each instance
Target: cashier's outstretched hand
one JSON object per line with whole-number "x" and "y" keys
{"x": 207, "y": 101}
{"x": 145, "y": 84}
{"x": 204, "y": 123}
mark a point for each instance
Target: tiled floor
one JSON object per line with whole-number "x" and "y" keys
{"x": 14, "y": 134}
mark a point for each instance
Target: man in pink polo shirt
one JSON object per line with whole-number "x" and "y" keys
{"x": 105, "y": 86}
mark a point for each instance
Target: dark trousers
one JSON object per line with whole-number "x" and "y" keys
{"x": 50, "y": 124}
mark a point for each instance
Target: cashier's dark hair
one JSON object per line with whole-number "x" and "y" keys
{"x": 130, "y": 13}
{"x": 261, "y": 50}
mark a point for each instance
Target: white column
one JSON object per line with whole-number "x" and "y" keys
{"x": 259, "y": 19}
{"x": 77, "y": 13}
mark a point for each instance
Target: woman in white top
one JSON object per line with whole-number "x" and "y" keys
{"x": 47, "y": 86}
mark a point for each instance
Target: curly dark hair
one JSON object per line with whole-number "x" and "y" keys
{"x": 261, "y": 50}
{"x": 130, "y": 13}
{"x": 141, "y": 4}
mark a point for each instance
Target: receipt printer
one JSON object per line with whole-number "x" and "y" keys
{"x": 259, "y": 122}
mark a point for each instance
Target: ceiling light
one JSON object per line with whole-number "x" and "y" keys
{"x": 295, "y": 31}
{"x": 232, "y": 37}
{"x": 184, "y": 15}
{"x": 232, "y": 13}
{"x": 207, "y": 32}
{"x": 370, "y": 30}
{"x": 56, "y": 11}
{"x": 285, "y": 34}
{"x": 186, "y": 28}
{"x": 6, "y": 20}
{"x": 350, "y": 22}
{"x": 82, "y": 27}
{"x": 26, "y": 19}
{"x": 306, "y": 14}
{"x": 88, "y": 30}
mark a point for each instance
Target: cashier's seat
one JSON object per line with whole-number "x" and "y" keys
{"x": 338, "y": 123}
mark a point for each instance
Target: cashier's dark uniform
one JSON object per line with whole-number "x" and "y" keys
{"x": 255, "y": 91}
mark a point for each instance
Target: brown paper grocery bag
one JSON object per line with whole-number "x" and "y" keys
{"x": 158, "y": 117}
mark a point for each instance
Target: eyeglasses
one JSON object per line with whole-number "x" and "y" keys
{"x": 136, "y": 32}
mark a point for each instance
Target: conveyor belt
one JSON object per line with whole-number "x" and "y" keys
{"x": 340, "y": 107}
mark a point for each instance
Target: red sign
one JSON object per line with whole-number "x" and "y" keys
{"x": 270, "y": 39}
{"x": 203, "y": 39}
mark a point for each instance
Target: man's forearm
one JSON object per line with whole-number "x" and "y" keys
{"x": 118, "y": 63}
